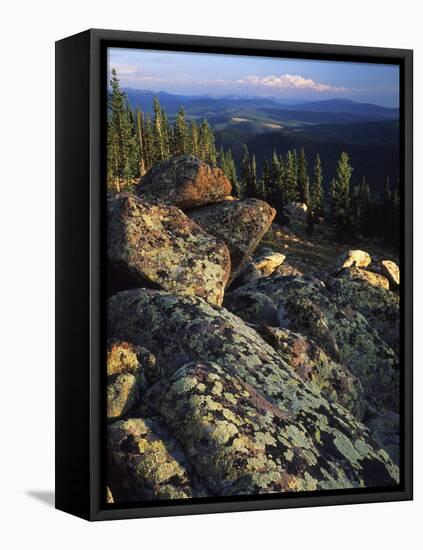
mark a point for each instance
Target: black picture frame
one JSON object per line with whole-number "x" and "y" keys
{"x": 80, "y": 281}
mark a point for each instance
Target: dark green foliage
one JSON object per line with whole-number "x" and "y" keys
{"x": 121, "y": 144}
{"x": 340, "y": 195}
{"x": 316, "y": 190}
{"x": 226, "y": 162}
{"x": 290, "y": 191}
{"x": 249, "y": 174}
{"x": 303, "y": 179}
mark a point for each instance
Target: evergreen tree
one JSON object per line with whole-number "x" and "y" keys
{"x": 303, "y": 179}
{"x": 193, "y": 139}
{"x": 180, "y": 136}
{"x": 207, "y": 147}
{"x": 316, "y": 190}
{"x": 249, "y": 175}
{"x": 290, "y": 180}
{"x": 159, "y": 153}
{"x": 275, "y": 180}
{"x": 148, "y": 143}
{"x": 340, "y": 193}
{"x": 120, "y": 143}
{"x": 140, "y": 140}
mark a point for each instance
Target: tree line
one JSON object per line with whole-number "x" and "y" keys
{"x": 136, "y": 142}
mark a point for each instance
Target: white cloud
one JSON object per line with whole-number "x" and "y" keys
{"x": 289, "y": 81}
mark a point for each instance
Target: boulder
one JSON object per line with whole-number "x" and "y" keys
{"x": 391, "y": 271}
{"x": 237, "y": 441}
{"x": 130, "y": 371}
{"x": 287, "y": 270}
{"x": 369, "y": 277}
{"x": 186, "y": 329}
{"x": 296, "y": 211}
{"x": 184, "y": 181}
{"x": 315, "y": 367}
{"x": 240, "y": 224}
{"x": 248, "y": 274}
{"x": 122, "y": 394}
{"x": 125, "y": 358}
{"x": 379, "y": 306}
{"x": 357, "y": 258}
{"x": 146, "y": 463}
{"x": 267, "y": 260}
{"x": 252, "y": 307}
{"x": 157, "y": 245}
{"x": 262, "y": 264}
{"x": 385, "y": 428}
{"x": 330, "y": 317}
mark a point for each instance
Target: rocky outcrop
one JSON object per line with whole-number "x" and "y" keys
{"x": 336, "y": 449}
{"x": 262, "y": 264}
{"x": 267, "y": 260}
{"x": 184, "y": 181}
{"x": 368, "y": 277}
{"x": 122, "y": 393}
{"x": 379, "y": 306}
{"x": 392, "y": 272}
{"x": 240, "y": 224}
{"x": 332, "y": 320}
{"x": 130, "y": 370}
{"x": 146, "y": 463}
{"x": 315, "y": 367}
{"x": 159, "y": 246}
{"x": 385, "y": 428}
{"x": 252, "y": 307}
{"x": 357, "y": 258}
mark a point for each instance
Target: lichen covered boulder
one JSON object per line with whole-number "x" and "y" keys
{"x": 391, "y": 271}
{"x": 357, "y": 258}
{"x": 159, "y": 246}
{"x": 385, "y": 428}
{"x": 369, "y": 277}
{"x": 126, "y": 358}
{"x": 237, "y": 441}
{"x": 378, "y": 305}
{"x": 240, "y": 224}
{"x": 329, "y": 318}
{"x": 335, "y": 382}
{"x": 146, "y": 463}
{"x": 196, "y": 331}
{"x": 184, "y": 181}
{"x": 122, "y": 394}
{"x": 252, "y": 307}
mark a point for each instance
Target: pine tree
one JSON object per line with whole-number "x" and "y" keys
{"x": 290, "y": 180}
{"x": 149, "y": 156}
{"x": 120, "y": 144}
{"x": 274, "y": 192}
{"x": 316, "y": 190}
{"x": 340, "y": 193}
{"x": 303, "y": 179}
{"x": 248, "y": 174}
{"x": 180, "y": 135}
{"x": 207, "y": 147}
{"x": 193, "y": 139}
{"x": 140, "y": 140}
{"x": 159, "y": 153}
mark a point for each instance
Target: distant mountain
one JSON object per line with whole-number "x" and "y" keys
{"x": 349, "y": 106}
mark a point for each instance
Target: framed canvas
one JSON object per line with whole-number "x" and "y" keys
{"x": 234, "y": 274}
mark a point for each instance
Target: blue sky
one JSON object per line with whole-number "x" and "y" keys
{"x": 217, "y": 74}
